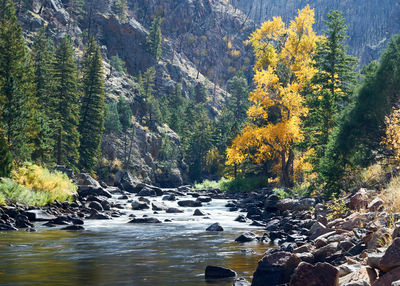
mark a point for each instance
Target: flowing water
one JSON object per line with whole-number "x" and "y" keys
{"x": 117, "y": 253}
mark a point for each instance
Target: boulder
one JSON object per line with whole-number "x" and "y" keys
{"x": 246, "y": 237}
{"x": 241, "y": 218}
{"x": 84, "y": 179}
{"x": 318, "y": 229}
{"x": 374, "y": 259}
{"x": 155, "y": 206}
{"x": 321, "y": 274}
{"x": 6, "y": 227}
{"x": 38, "y": 215}
{"x": 189, "y": 203}
{"x": 145, "y": 220}
{"x": 376, "y": 205}
{"x": 96, "y": 205}
{"x": 85, "y": 191}
{"x": 215, "y": 227}
{"x": 276, "y": 268}
{"x": 173, "y": 211}
{"x": 204, "y": 199}
{"x": 391, "y": 258}
{"x": 359, "y": 200}
{"x": 388, "y": 278}
{"x": 73, "y": 228}
{"x": 198, "y": 212}
{"x": 362, "y": 273}
{"x": 139, "y": 205}
{"x": 126, "y": 181}
{"x": 358, "y": 283}
{"x": 147, "y": 192}
{"x": 216, "y": 272}
{"x": 170, "y": 197}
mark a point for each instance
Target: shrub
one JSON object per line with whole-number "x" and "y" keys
{"x": 245, "y": 184}
{"x": 36, "y": 186}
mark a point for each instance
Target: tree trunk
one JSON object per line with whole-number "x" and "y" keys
{"x": 287, "y": 170}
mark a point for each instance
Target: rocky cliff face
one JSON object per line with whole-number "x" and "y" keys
{"x": 371, "y": 22}
{"x": 202, "y": 43}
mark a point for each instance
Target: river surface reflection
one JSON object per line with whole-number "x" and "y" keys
{"x": 117, "y": 253}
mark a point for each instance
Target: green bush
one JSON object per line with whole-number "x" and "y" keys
{"x": 36, "y": 186}
{"x": 246, "y": 184}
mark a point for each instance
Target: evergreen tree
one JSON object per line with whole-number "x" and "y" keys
{"x": 112, "y": 124}
{"x": 125, "y": 113}
{"x": 65, "y": 109}
{"x": 151, "y": 109}
{"x": 121, "y": 9}
{"x": 154, "y": 39}
{"x": 332, "y": 85}
{"x": 43, "y": 59}
{"x": 16, "y": 85}
{"x": 356, "y": 142}
{"x": 5, "y": 158}
{"x": 91, "y": 125}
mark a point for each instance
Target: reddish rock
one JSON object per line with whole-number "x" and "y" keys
{"x": 376, "y": 205}
{"x": 388, "y": 278}
{"x": 364, "y": 273}
{"x": 391, "y": 258}
{"x": 359, "y": 200}
{"x": 318, "y": 275}
{"x": 275, "y": 269}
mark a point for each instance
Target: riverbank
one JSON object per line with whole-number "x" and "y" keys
{"x": 306, "y": 242}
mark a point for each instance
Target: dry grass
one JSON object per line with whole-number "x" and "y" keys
{"x": 391, "y": 196}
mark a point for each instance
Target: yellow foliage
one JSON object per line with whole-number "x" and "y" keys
{"x": 392, "y": 139}
{"x": 276, "y": 46}
{"x": 39, "y": 179}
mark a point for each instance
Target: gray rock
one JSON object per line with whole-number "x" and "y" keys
{"x": 246, "y": 237}
{"x": 173, "y": 211}
{"x": 215, "y": 227}
{"x": 147, "y": 192}
{"x": 38, "y": 215}
{"x": 198, "y": 212}
{"x": 139, "y": 205}
{"x": 96, "y": 205}
{"x": 189, "y": 203}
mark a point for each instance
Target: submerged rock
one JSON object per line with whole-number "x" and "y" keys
{"x": 189, "y": 203}
{"x": 145, "y": 220}
{"x": 73, "y": 228}
{"x": 216, "y": 272}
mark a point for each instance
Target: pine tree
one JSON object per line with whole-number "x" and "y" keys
{"x": 16, "y": 85}
{"x": 151, "y": 108}
{"x": 5, "y": 158}
{"x": 154, "y": 39}
{"x": 112, "y": 124}
{"x": 331, "y": 87}
{"x": 65, "y": 109}
{"x": 125, "y": 114}
{"x": 121, "y": 8}
{"x": 91, "y": 125}
{"x": 43, "y": 59}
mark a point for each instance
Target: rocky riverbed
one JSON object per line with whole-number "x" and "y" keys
{"x": 300, "y": 245}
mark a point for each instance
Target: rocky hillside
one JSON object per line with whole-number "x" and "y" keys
{"x": 371, "y": 22}
{"x": 202, "y": 43}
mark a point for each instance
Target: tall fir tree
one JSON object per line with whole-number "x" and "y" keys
{"x": 65, "y": 109}
{"x": 16, "y": 85}
{"x": 154, "y": 39}
{"x": 43, "y": 59}
{"x": 5, "y": 157}
{"x": 331, "y": 87}
{"x": 91, "y": 125}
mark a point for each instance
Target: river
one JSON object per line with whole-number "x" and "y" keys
{"x": 114, "y": 252}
